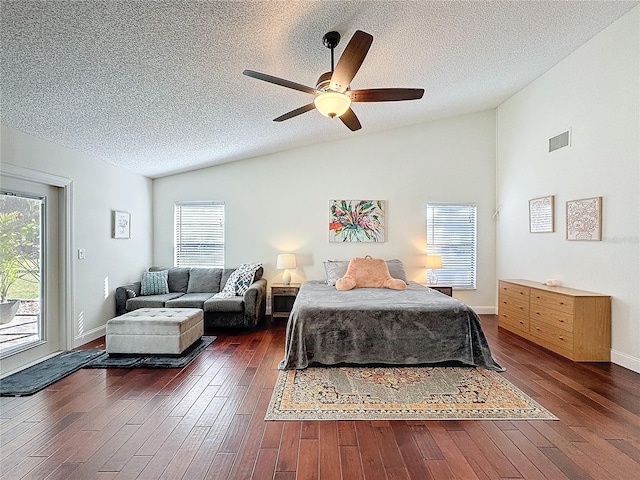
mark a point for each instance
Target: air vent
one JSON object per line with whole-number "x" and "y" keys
{"x": 559, "y": 141}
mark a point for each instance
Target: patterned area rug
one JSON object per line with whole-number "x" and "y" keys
{"x": 400, "y": 393}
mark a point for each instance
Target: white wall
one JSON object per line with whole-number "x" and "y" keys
{"x": 279, "y": 203}
{"x": 596, "y": 92}
{"x": 98, "y": 188}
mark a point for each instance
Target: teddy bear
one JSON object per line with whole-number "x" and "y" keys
{"x": 368, "y": 272}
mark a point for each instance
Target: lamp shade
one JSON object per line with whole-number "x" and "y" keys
{"x": 286, "y": 260}
{"x": 434, "y": 261}
{"x": 332, "y": 104}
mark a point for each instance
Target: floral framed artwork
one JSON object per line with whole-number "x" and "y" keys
{"x": 356, "y": 221}
{"x": 121, "y": 224}
{"x": 584, "y": 219}
{"x": 541, "y": 215}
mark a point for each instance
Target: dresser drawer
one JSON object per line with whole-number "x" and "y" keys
{"x": 556, "y": 301}
{"x": 554, "y": 318}
{"x": 517, "y": 304}
{"x": 284, "y": 290}
{"x": 553, "y": 338}
{"x": 511, "y": 319}
{"x": 513, "y": 290}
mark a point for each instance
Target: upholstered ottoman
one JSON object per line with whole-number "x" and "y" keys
{"x": 155, "y": 331}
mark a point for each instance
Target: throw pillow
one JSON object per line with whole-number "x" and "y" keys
{"x": 239, "y": 281}
{"x": 396, "y": 270}
{"x": 154, "y": 283}
{"x": 335, "y": 270}
{"x": 369, "y": 272}
{"x": 131, "y": 293}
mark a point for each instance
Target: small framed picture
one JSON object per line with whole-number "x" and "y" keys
{"x": 541, "y": 215}
{"x": 121, "y": 224}
{"x": 584, "y": 219}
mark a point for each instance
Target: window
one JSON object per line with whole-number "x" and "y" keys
{"x": 451, "y": 232}
{"x": 199, "y": 234}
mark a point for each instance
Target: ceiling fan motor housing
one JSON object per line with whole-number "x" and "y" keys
{"x": 323, "y": 82}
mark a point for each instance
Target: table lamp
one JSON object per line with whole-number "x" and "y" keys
{"x": 434, "y": 262}
{"x": 285, "y": 262}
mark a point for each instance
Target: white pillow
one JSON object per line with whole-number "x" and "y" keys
{"x": 335, "y": 270}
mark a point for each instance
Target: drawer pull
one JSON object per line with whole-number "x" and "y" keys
{"x": 538, "y": 328}
{"x": 561, "y": 303}
{"x": 561, "y": 338}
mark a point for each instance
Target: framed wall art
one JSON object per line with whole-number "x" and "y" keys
{"x": 541, "y": 215}
{"x": 584, "y": 219}
{"x": 121, "y": 224}
{"x": 356, "y": 221}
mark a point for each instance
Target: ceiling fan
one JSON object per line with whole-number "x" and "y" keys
{"x": 332, "y": 92}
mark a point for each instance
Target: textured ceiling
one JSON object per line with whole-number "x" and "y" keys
{"x": 157, "y": 87}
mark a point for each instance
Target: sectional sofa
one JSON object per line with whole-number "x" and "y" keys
{"x": 195, "y": 288}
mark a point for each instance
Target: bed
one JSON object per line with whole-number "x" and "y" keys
{"x": 378, "y": 326}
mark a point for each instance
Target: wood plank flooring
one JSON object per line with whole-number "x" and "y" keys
{"x": 206, "y": 422}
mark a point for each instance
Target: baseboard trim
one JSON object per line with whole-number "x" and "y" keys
{"x": 89, "y": 336}
{"x": 626, "y": 361}
{"x": 485, "y": 310}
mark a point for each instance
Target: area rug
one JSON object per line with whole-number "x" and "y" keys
{"x": 104, "y": 360}
{"x": 399, "y": 393}
{"x": 39, "y": 376}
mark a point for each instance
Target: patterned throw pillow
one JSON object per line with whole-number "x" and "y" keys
{"x": 239, "y": 281}
{"x": 131, "y": 293}
{"x": 154, "y": 283}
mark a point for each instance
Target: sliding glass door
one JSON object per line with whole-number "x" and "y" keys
{"x": 29, "y": 272}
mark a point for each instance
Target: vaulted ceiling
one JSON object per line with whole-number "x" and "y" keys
{"x": 157, "y": 86}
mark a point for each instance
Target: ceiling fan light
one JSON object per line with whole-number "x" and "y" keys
{"x": 332, "y": 104}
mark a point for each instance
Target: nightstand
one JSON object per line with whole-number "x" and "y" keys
{"x": 282, "y": 298}
{"x": 446, "y": 289}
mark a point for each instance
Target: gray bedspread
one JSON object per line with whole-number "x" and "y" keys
{"x": 381, "y": 326}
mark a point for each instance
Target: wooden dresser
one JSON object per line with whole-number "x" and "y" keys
{"x": 572, "y": 323}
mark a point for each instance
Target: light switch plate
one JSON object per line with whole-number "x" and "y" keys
{"x": 81, "y": 254}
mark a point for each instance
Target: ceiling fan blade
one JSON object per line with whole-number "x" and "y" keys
{"x": 350, "y": 120}
{"x": 350, "y": 61}
{"x": 294, "y": 113}
{"x": 385, "y": 94}
{"x": 280, "y": 81}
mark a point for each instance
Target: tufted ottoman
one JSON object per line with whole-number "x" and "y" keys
{"x": 154, "y": 331}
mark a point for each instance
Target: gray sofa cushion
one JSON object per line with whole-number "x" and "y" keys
{"x": 178, "y": 278}
{"x": 226, "y": 273}
{"x": 228, "y": 304}
{"x": 189, "y": 300}
{"x": 204, "y": 280}
{"x": 258, "y": 274}
{"x": 150, "y": 301}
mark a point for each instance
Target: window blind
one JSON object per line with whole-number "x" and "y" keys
{"x": 199, "y": 234}
{"x": 452, "y": 233}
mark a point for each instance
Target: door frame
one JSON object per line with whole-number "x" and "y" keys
{"x": 66, "y": 300}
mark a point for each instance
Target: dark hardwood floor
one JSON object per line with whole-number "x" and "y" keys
{"x": 206, "y": 421}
